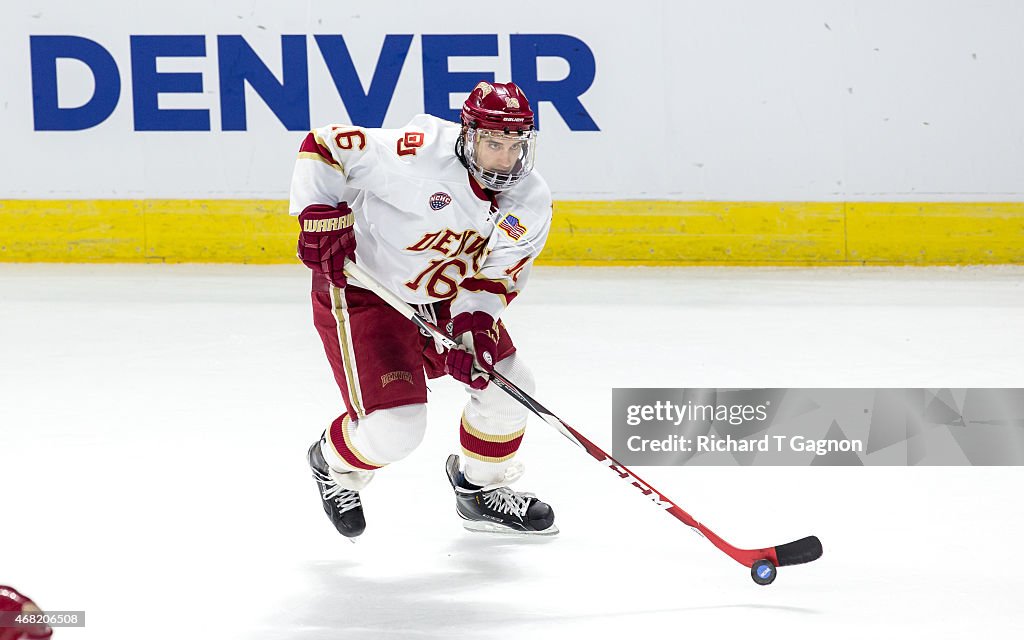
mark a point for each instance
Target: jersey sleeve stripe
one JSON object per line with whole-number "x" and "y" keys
{"x": 483, "y": 284}
{"x": 313, "y": 148}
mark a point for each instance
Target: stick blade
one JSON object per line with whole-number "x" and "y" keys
{"x": 798, "y": 552}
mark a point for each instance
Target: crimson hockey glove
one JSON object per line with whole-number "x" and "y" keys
{"x": 326, "y": 239}
{"x": 479, "y": 335}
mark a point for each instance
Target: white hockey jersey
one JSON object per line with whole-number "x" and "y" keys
{"x": 424, "y": 228}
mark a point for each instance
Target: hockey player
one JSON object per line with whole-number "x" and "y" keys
{"x": 450, "y": 218}
{"x": 11, "y": 601}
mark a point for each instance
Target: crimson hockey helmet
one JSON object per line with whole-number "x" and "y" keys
{"x": 497, "y": 106}
{"x": 499, "y": 139}
{"x": 13, "y": 602}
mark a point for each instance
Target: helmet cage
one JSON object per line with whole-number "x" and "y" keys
{"x": 492, "y": 178}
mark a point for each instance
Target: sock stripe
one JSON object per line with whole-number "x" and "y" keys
{"x": 490, "y": 437}
{"x": 341, "y": 440}
{"x": 488, "y": 447}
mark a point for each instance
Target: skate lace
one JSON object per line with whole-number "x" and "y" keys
{"x": 346, "y": 499}
{"x": 505, "y": 500}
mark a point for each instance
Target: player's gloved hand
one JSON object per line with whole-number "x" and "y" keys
{"x": 479, "y": 336}
{"x": 326, "y": 239}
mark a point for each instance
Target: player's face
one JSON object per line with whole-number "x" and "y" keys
{"x": 499, "y": 160}
{"x": 497, "y": 152}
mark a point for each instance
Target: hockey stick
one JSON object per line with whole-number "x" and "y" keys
{"x": 762, "y": 562}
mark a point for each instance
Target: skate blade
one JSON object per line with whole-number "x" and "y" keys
{"x": 477, "y": 526}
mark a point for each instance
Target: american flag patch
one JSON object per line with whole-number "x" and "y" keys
{"x": 512, "y": 227}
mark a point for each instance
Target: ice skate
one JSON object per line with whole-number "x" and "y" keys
{"x": 341, "y": 502}
{"x": 497, "y": 508}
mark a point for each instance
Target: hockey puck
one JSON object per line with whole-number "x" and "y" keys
{"x": 763, "y": 572}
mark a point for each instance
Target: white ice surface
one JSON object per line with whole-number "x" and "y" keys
{"x": 154, "y": 422}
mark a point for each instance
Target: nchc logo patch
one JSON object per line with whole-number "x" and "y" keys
{"x": 512, "y": 227}
{"x": 440, "y": 200}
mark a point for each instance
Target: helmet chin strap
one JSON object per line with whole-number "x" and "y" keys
{"x": 460, "y": 149}
{"x": 479, "y": 183}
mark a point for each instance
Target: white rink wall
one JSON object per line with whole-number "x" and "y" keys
{"x": 735, "y": 100}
